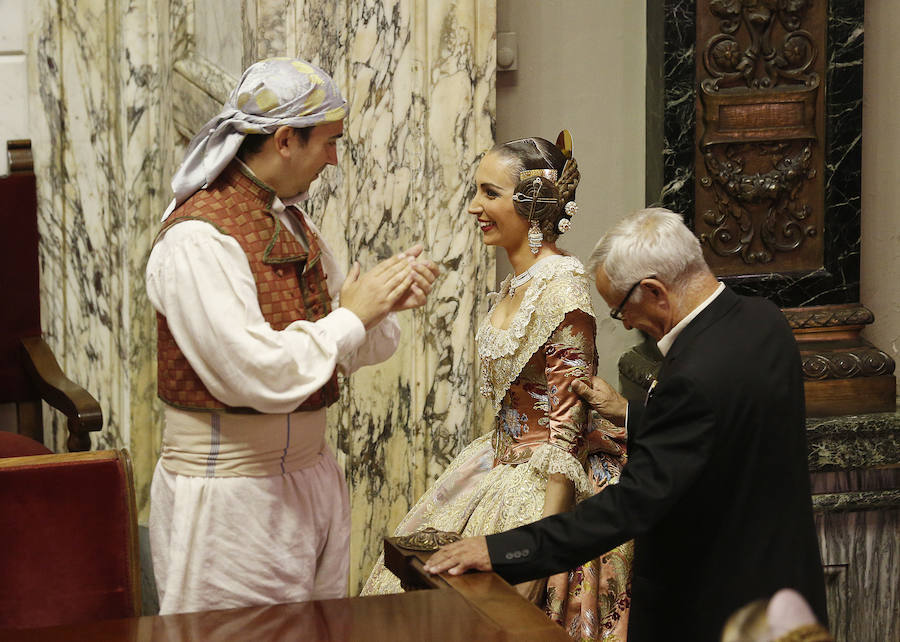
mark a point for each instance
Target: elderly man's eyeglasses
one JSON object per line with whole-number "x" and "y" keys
{"x": 617, "y": 313}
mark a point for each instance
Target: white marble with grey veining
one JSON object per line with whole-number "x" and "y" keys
{"x": 97, "y": 132}
{"x": 419, "y": 80}
{"x": 217, "y": 34}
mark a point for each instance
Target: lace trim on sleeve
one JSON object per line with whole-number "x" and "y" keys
{"x": 558, "y": 288}
{"x": 548, "y": 459}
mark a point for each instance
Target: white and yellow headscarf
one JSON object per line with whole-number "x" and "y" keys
{"x": 271, "y": 93}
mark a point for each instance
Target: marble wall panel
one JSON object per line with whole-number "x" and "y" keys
{"x": 202, "y": 87}
{"x": 275, "y": 23}
{"x": 98, "y": 134}
{"x": 217, "y": 35}
{"x": 13, "y": 28}
{"x": 677, "y": 104}
{"x": 86, "y": 226}
{"x": 144, "y": 148}
{"x": 13, "y": 75}
{"x": 13, "y": 102}
{"x": 419, "y": 79}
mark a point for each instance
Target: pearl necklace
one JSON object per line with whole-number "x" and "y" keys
{"x": 521, "y": 279}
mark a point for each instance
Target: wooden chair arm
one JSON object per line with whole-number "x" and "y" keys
{"x": 77, "y": 404}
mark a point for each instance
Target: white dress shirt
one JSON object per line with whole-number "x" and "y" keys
{"x": 665, "y": 343}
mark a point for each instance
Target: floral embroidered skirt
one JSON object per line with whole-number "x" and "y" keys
{"x": 473, "y": 497}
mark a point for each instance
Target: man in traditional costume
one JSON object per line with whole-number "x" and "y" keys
{"x": 248, "y": 505}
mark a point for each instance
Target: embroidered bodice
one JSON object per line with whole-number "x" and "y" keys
{"x": 527, "y": 368}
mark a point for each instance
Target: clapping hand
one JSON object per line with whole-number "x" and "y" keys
{"x": 371, "y": 295}
{"x": 400, "y": 282}
{"x": 424, "y": 274}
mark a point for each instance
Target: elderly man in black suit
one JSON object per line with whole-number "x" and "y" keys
{"x": 716, "y": 491}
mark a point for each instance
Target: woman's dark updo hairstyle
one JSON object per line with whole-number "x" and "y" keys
{"x": 539, "y": 153}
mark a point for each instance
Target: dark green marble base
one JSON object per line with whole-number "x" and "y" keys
{"x": 854, "y": 441}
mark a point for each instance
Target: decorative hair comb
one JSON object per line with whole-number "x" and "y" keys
{"x": 564, "y": 142}
{"x": 549, "y": 174}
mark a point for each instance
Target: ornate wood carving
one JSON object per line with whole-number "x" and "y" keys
{"x": 828, "y": 316}
{"x": 855, "y": 361}
{"x": 427, "y": 539}
{"x": 843, "y": 372}
{"x": 759, "y": 155}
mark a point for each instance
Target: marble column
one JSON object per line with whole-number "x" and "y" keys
{"x": 97, "y": 121}
{"x": 420, "y": 81}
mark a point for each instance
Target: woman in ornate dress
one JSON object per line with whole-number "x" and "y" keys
{"x": 544, "y": 453}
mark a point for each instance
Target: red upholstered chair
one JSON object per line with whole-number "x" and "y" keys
{"x": 13, "y": 445}
{"x": 68, "y": 539}
{"x": 29, "y": 371}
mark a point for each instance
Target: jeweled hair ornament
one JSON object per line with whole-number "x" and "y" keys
{"x": 549, "y": 174}
{"x": 521, "y": 197}
{"x": 564, "y": 143}
{"x": 535, "y": 236}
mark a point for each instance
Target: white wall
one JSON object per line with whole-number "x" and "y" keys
{"x": 13, "y": 76}
{"x": 880, "y": 278}
{"x": 581, "y": 67}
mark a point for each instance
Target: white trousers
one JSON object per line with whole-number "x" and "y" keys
{"x": 225, "y": 542}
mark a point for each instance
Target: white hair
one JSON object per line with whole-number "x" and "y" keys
{"x": 649, "y": 242}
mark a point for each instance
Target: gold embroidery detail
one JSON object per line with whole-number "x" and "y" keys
{"x": 549, "y": 174}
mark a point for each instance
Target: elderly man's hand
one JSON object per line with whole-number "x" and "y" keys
{"x": 459, "y": 557}
{"x": 603, "y": 398}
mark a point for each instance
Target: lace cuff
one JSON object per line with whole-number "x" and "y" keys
{"x": 548, "y": 459}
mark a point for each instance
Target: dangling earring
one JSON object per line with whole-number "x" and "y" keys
{"x": 535, "y": 237}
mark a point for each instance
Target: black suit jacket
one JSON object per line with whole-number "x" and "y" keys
{"x": 716, "y": 491}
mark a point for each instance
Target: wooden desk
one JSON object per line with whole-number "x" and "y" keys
{"x": 418, "y": 616}
{"x": 476, "y": 607}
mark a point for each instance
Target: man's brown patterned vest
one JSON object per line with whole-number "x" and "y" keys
{"x": 290, "y": 281}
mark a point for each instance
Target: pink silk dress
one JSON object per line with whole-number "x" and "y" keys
{"x": 499, "y": 481}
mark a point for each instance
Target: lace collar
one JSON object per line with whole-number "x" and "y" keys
{"x": 559, "y": 286}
